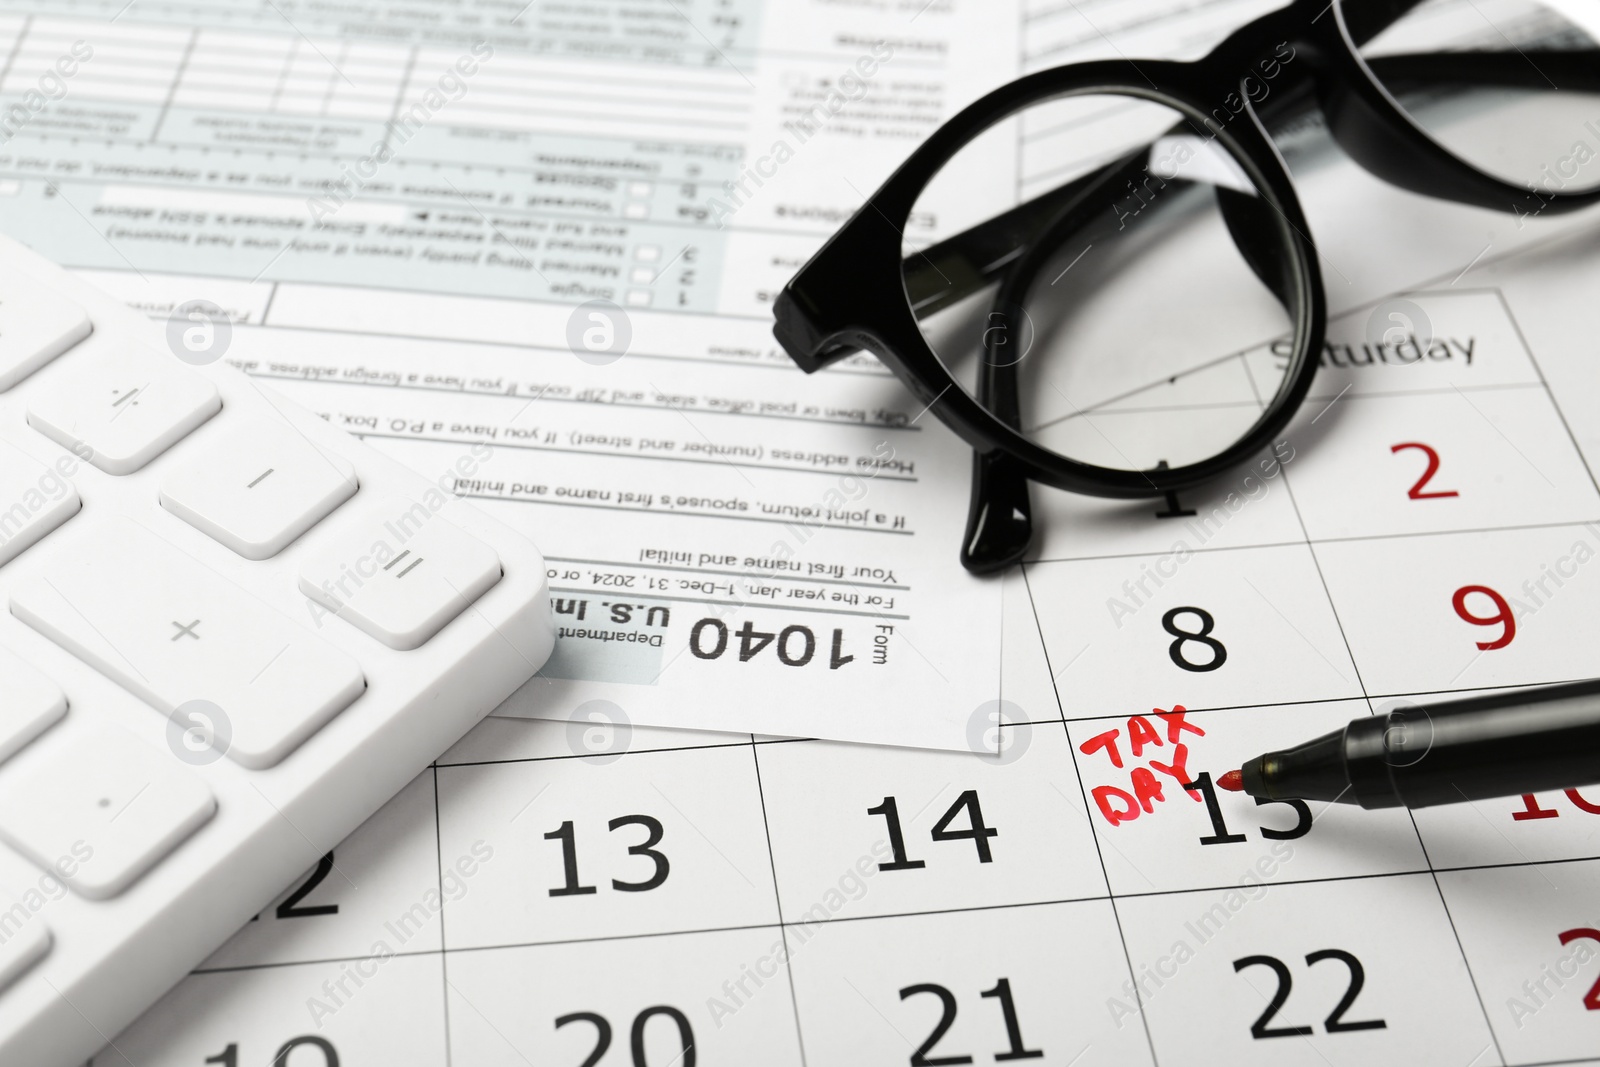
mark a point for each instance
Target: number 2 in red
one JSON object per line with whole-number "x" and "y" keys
{"x": 1583, "y": 933}
{"x": 1419, "y": 491}
{"x": 1503, "y": 617}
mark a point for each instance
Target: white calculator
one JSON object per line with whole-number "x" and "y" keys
{"x": 229, "y": 632}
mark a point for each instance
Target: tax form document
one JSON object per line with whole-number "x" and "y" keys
{"x": 534, "y": 258}
{"x": 605, "y": 892}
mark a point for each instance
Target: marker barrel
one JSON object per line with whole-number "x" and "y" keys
{"x": 1503, "y": 744}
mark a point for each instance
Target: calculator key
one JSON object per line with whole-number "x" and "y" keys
{"x": 36, "y": 326}
{"x": 401, "y": 573}
{"x": 259, "y": 487}
{"x": 102, "y": 812}
{"x": 121, "y": 411}
{"x": 31, "y": 703}
{"x": 34, "y": 500}
{"x": 24, "y": 938}
{"x": 172, "y": 631}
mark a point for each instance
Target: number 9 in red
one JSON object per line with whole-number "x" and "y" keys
{"x": 1502, "y": 617}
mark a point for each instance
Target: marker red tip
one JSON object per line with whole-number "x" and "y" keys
{"x": 1232, "y": 781}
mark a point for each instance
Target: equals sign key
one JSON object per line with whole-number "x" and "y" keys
{"x": 342, "y": 576}
{"x": 409, "y": 567}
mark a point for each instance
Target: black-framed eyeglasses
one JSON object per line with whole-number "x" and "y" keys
{"x": 1094, "y": 318}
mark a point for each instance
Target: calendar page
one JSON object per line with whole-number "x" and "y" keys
{"x": 562, "y": 893}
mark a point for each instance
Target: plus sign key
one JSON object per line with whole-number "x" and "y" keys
{"x": 171, "y": 631}
{"x": 402, "y": 573}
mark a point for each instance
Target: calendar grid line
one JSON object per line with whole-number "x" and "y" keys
{"x": 1346, "y": 539}
{"x": 1219, "y": 405}
{"x": 1555, "y": 1063}
{"x": 1044, "y": 645}
{"x": 1196, "y": 710}
{"x": 444, "y": 951}
{"x": 1455, "y": 932}
{"x": 1544, "y": 382}
{"x": 1196, "y": 891}
{"x": 1116, "y": 915}
{"x": 777, "y": 899}
{"x": 1249, "y": 376}
{"x": 1397, "y": 695}
{"x": 511, "y": 760}
{"x": 1363, "y": 877}
{"x": 1105, "y": 874}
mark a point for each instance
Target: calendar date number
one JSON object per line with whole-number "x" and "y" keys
{"x": 966, "y": 805}
{"x": 314, "y": 1045}
{"x": 1016, "y": 1049}
{"x": 1335, "y": 1023}
{"x": 572, "y": 885}
{"x": 602, "y": 1034}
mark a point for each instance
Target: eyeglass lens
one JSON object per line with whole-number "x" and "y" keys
{"x": 1509, "y": 86}
{"x": 1139, "y": 332}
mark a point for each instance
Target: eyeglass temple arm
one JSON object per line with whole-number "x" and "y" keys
{"x": 1000, "y": 512}
{"x": 955, "y": 268}
{"x": 1568, "y": 70}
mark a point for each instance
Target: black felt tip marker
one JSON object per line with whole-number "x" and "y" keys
{"x": 1505, "y": 744}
